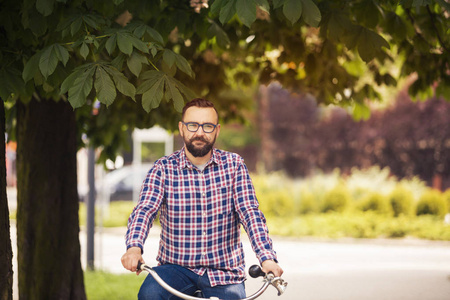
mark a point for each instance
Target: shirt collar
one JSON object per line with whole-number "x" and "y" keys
{"x": 186, "y": 163}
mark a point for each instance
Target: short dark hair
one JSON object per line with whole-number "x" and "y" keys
{"x": 199, "y": 102}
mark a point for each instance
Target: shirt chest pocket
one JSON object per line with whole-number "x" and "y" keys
{"x": 222, "y": 198}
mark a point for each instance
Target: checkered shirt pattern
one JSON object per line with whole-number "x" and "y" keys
{"x": 200, "y": 215}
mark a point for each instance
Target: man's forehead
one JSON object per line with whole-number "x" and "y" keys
{"x": 203, "y": 114}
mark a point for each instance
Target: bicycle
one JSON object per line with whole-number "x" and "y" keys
{"x": 255, "y": 271}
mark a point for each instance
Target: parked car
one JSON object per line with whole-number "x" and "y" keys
{"x": 119, "y": 184}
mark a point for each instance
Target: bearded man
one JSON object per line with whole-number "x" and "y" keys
{"x": 202, "y": 195}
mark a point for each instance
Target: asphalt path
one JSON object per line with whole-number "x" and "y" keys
{"x": 327, "y": 269}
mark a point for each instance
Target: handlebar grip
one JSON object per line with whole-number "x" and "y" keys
{"x": 139, "y": 265}
{"x": 255, "y": 271}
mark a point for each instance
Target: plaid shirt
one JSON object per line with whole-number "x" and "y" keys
{"x": 200, "y": 215}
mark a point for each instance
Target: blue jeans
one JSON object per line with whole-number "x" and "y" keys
{"x": 186, "y": 281}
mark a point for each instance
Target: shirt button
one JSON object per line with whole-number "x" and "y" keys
{"x": 204, "y": 195}
{"x": 204, "y": 214}
{"x": 204, "y": 232}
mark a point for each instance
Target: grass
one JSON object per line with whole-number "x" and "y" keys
{"x": 103, "y": 285}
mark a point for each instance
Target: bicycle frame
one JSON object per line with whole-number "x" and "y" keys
{"x": 255, "y": 271}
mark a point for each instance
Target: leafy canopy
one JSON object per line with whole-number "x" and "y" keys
{"x": 107, "y": 55}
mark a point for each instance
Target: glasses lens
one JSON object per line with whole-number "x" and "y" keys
{"x": 208, "y": 128}
{"x": 192, "y": 126}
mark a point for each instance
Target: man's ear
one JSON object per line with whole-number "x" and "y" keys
{"x": 180, "y": 128}
{"x": 217, "y": 130}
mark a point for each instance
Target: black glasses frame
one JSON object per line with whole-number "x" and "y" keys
{"x": 187, "y": 124}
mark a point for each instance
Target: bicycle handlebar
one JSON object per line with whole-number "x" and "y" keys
{"x": 254, "y": 271}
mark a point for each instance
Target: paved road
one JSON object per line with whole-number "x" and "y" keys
{"x": 322, "y": 270}
{"x": 319, "y": 270}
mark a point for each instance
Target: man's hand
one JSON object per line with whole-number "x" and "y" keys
{"x": 131, "y": 258}
{"x": 270, "y": 266}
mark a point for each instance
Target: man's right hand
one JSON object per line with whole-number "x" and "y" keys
{"x": 131, "y": 258}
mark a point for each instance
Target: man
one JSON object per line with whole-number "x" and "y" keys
{"x": 203, "y": 194}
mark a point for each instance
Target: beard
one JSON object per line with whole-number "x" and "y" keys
{"x": 199, "y": 151}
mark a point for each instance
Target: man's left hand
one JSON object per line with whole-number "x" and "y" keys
{"x": 270, "y": 266}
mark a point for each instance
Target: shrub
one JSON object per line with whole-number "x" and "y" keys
{"x": 431, "y": 202}
{"x": 277, "y": 203}
{"x": 446, "y": 196}
{"x": 337, "y": 199}
{"x": 307, "y": 203}
{"x": 401, "y": 201}
{"x": 375, "y": 202}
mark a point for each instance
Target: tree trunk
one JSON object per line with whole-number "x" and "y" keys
{"x": 6, "y": 272}
{"x": 47, "y": 210}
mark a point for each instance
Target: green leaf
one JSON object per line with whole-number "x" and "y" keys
{"x": 370, "y": 44}
{"x": 154, "y": 36}
{"x": 84, "y": 50}
{"x": 221, "y": 36}
{"x": 135, "y": 61}
{"x": 121, "y": 82}
{"x": 227, "y": 11}
{"x": 138, "y": 44}
{"x": 111, "y": 44}
{"x": 188, "y": 93}
{"x": 75, "y": 26}
{"x": 81, "y": 88}
{"x": 173, "y": 93}
{"x": 169, "y": 57}
{"x": 31, "y": 67}
{"x": 45, "y": 7}
{"x": 246, "y": 11}
{"x": 311, "y": 13}
{"x": 48, "y": 61}
{"x": 216, "y": 7}
{"x": 292, "y": 10}
{"x": 124, "y": 43}
{"x": 396, "y": 26}
{"x": 444, "y": 4}
{"x": 361, "y": 112}
{"x": 69, "y": 81}
{"x": 104, "y": 87}
{"x": 62, "y": 54}
{"x": 149, "y": 79}
{"x": 183, "y": 65}
{"x": 278, "y": 3}
{"x": 152, "y": 98}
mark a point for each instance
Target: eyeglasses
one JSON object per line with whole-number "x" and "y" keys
{"x": 194, "y": 126}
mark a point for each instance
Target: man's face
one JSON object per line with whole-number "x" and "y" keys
{"x": 199, "y": 143}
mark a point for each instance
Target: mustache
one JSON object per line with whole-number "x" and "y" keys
{"x": 198, "y": 138}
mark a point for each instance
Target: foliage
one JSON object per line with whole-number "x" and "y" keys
{"x": 114, "y": 215}
{"x": 406, "y": 139}
{"x": 277, "y": 201}
{"x": 337, "y": 199}
{"x": 401, "y": 201}
{"x": 446, "y": 196}
{"x": 432, "y": 203}
{"x": 149, "y": 52}
{"x": 375, "y": 202}
{"x": 360, "y": 225}
{"x": 102, "y": 285}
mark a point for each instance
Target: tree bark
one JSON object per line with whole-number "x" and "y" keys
{"x": 48, "y": 243}
{"x": 6, "y": 272}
